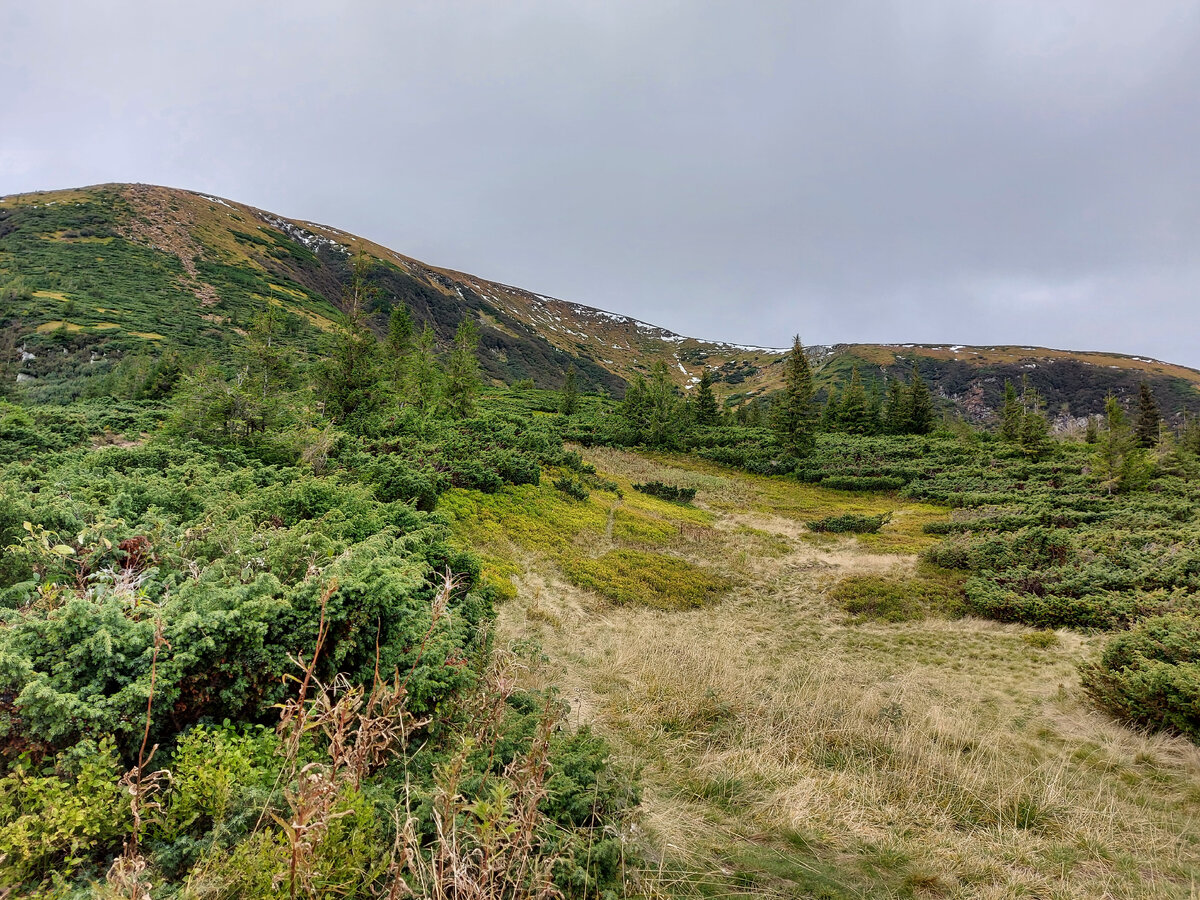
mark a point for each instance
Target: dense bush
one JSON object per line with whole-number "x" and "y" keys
{"x": 850, "y": 523}
{"x": 190, "y": 580}
{"x": 1150, "y": 675}
{"x": 670, "y": 492}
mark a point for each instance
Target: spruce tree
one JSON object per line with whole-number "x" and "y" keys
{"x": 347, "y": 379}
{"x": 706, "y": 412}
{"x": 1011, "y": 414}
{"x": 875, "y": 408}
{"x": 895, "y": 415}
{"x": 632, "y": 413}
{"x": 920, "y": 405}
{"x": 831, "y": 411}
{"x": 794, "y": 414}
{"x": 423, "y": 378}
{"x": 462, "y": 371}
{"x": 1035, "y": 429}
{"x": 664, "y": 408}
{"x": 855, "y": 415}
{"x": 1149, "y": 420}
{"x": 400, "y": 336}
{"x": 1091, "y": 434}
{"x": 570, "y": 394}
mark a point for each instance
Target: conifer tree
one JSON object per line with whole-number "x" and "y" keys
{"x": 346, "y": 380}
{"x": 1149, "y": 420}
{"x": 1035, "y": 429}
{"x": 1011, "y": 414}
{"x": 462, "y": 371}
{"x": 793, "y": 413}
{"x": 831, "y": 411}
{"x": 570, "y": 393}
{"x": 855, "y": 416}
{"x": 1189, "y": 433}
{"x": 875, "y": 408}
{"x": 920, "y": 405}
{"x": 706, "y": 412}
{"x": 895, "y": 415}
{"x": 664, "y": 408}
{"x": 400, "y": 338}
{"x": 423, "y": 378}
{"x": 632, "y": 413}
{"x": 1118, "y": 462}
{"x": 1091, "y": 434}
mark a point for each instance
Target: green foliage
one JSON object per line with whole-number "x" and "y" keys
{"x": 793, "y": 413}
{"x": 706, "y": 413}
{"x": 673, "y": 493}
{"x": 53, "y": 820}
{"x": 1149, "y": 419}
{"x": 891, "y": 599}
{"x": 634, "y": 576}
{"x": 572, "y": 488}
{"x": 570, "y": 394}
{"x": 1150, "y": 676}
{"x": 851, "y": 523}
{"x": 462, "y": 372}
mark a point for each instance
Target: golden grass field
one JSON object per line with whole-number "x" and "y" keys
{"x": 790, "y": 749}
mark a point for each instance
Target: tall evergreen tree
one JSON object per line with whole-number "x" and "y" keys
{"x": 570, "y": 393}
{"x": 1091, "y": 434}
{"x": 1149, "y": 420}
{"x": 347, "y": 379}
{"x": 706, "y": 411}
{"x": 831, "y": 410}
{"x": 794, "y": 415}
{"x": 400, "y": 337}
{"x": 856, "y": 418}
{"x": 875, "y": 407}
{"x": 895, "y": 414}
{"x": 423, "y": 378}
{"x": 665, "y": 408}
{"x": 1035, "y": 429}
{"x": 1011, "y": 414}
{"x": 632, "y": 414}
{"x": 462, "y": 371}
{"x": 921, "y": 417}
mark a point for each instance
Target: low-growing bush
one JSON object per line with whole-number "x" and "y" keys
{"x": 670, "y": 492}
{"x": 572, "y": 488}
{"x": 1150, "y": 675}
{"x": 891, "y": 599}
{"x": 863, "y": 482}
{"x": 850, "y": 523}
{"x": 632, "y": 576}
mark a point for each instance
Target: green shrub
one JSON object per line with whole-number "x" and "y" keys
{"x": 667, "y": 491}
{"x": 891, "y": 599}
{"x": 632, "y": 576}
{"x": 572, "y": 488}
{"x": 1150, "y": 675}
{"x": 851, "y": 523}
{"x": 57, "y": 820}
{"x": 863, "y": 482}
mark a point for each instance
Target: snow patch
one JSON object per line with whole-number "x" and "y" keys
{"x": 215, "y": 200}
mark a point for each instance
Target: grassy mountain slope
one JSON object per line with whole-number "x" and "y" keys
{"x": 93, "y": 274}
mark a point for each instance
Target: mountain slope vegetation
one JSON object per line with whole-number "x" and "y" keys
{"x": 300, "y": 593}
{"x": 94, "y": 275}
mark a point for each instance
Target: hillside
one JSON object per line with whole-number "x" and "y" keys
{"x": 90, "y": 275}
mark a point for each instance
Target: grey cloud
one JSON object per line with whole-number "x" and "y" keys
{"x": 1014, "y": 172}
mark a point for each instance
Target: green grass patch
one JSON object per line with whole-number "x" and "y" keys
{"x": 884, "y": 598}
{"x": 633, "y": 576}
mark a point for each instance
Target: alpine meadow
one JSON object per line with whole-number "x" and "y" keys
{"x": 327, "y": 572}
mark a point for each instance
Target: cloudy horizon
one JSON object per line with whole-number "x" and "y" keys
{"x": 925, "y": 172}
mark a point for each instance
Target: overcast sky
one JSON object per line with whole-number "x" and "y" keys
{"x": 960, "y": 172}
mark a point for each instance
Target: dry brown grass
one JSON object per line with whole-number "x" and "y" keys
{"x": 787, "y": 750}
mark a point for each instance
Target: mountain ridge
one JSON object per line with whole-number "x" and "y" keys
{"x": 189, "y": 269}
